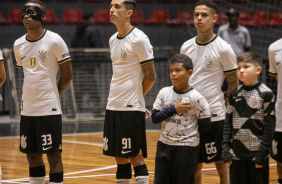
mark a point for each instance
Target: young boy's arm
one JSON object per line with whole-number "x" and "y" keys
{"x": 269, "y": 128}
{"x": 202, "y": 110}
{"x": 227, "y": 130}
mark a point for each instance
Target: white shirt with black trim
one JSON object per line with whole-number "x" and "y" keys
{"x": 210, "y": 62}
{"x": 128, "y": 53}
{"x": 275, "y": 69}
{"x": 40, "y": 61}
{"x": 1, "y": 56}
{"x": 182, "y": 129}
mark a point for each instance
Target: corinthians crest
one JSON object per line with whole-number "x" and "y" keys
{"x": 105, "y": 143}
{"x": 254, "y": 102}
{"x": 123, "y": 54}
{"x": 209, "y": 61}
{"x": 42, "y": 56}
{"x": 23, "y": 141}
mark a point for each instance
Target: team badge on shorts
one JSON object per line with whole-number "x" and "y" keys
{"x": 23, "y": 141}
{"x": 274, "y": 147}
{"x": 105, "y": 143}
{"x": 209, "y": 61}
{"x": 42, "y": 56}
{"x": 254, "y": 102}
{"x": 123, "y": 54}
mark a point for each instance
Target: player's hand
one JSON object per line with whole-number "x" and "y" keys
{"x": 259, "y": 166}
{"x": 182, "y": 107}
{"x": 147, "y": 113}
{"x": 226, "y": 98}
{"x": 1, "y": 98}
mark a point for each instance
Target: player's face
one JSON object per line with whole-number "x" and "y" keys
{"x": 179, "y": 76}
{"x": 118, "y": 12}
{"x": 248, "y": 72}
{"x": 28, "y": 22}
{"x": 204, "y": 18}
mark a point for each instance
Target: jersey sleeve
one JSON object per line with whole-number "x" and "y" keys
{"x": 18, "y": 58}
{"x": 159, "y": 102}
{"x": 272, "y": 63}
{"x": 228, "y": 59}
{"x": 61, "y": 51}
{"x": 144, "y": 50}
{"x": 1, "y": 56}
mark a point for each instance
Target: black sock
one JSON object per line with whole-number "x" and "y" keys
{"x": 37, "y": 171}
{"x": 56, "y": 177}
{"x": 124, "y": 171}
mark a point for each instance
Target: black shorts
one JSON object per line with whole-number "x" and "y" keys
{"x": 211, "y": 143}
{"x": 245, "y": 172}
{"x": 276, "y": 151}
{"x": 124, "y": 134}
{"x": 175, "y": 164}
{"x": 41, "y": 134}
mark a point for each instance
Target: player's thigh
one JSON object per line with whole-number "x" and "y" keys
{"x": 49, "y": 133}
{"x": 28, "y": 139}
{"x": 211, "y": 143}
{"x": 124, "y": 134}
{"x": 276, "y": 151}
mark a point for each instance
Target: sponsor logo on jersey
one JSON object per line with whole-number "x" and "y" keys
{"x": 123, "y": 54}
{"x": 44, "y": 149}
{"x": 211, "y": 157}
{"x": 23, "y": 141}
{"x": 209, "y": 61}
{"x": 105, "y": 143}
{"x": 254, "y": 102}
{"x": 124, "y": 152}
{"x": 42, "y": 56}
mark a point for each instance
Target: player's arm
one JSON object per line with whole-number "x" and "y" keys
{"x": 149, "y": 76}
{"x": 66, "y": 76}
{"x": 2, "y": 73}
{"x": 227, "y": 132}
{"x": 232, "y": 81}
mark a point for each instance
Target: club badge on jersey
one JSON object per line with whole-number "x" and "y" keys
{"x": 33, "y": 12}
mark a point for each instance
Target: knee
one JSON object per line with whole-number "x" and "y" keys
{"x": 54, "y": 159}
{"x": 222, "y": 169}
{"x": 35, "y": 159}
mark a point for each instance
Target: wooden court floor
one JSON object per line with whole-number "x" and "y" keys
{"x": 84, "y": 162}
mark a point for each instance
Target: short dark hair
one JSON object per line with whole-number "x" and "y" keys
{"x": 184, "y": 59}
{"x": 130, "y": 4}
{"x": 250, "y": 57}
{"x": 208, "y": 3}
{"x": 40, "y": 3}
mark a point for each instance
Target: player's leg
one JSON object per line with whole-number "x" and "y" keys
{"x": 49, "y": 130}
{"x": 162, "y": 169}
{"x": 29, "y": 146}
{"x": 124, "y": 171}
{"x": 223, "y": 172}
{"x": 140, "y": 169}
{"x": 198, "y": 175}
{"x": 276, "y": 153}
{"x": 239, "y": 172}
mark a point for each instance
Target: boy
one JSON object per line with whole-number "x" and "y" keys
{"x": 40, "y": 53}
{"x": 249, "y": 125}
{"x": 183, "y": 110}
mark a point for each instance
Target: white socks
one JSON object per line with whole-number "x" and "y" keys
{"x": 142, "y": 180}
{"x": 37, "y": 180}
{"x": 123, "y": 181}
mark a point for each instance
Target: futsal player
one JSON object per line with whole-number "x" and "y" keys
{"x": 40, "y": 53}
{"x": 275, "y": 69}
{"x": 212, "y": 58}
{"x": 133, "y": 76}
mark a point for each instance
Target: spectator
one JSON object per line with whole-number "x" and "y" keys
{"x": 87, "y": 35}
{"x": 2, "y": 72}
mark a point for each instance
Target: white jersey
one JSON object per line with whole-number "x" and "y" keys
{"x": 182, "y": 129}
{"x": 1, "y": 56}
{"x": 40, "y": 61}
{"x": 210, "y": 62}
{"x": 127, "y": 55}
{"x": 275, "y": 69}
